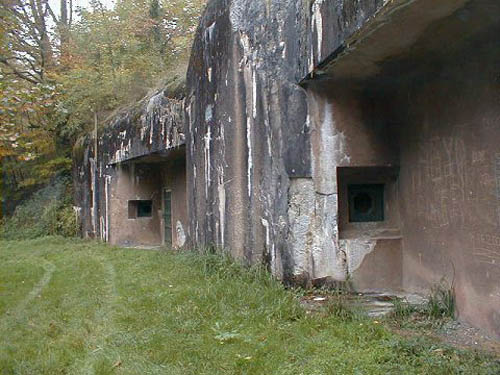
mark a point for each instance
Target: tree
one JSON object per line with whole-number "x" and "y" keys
{"x": 31, "y": 114}
{"x": 59, "y": 73}
{"x": 119, "y": 54}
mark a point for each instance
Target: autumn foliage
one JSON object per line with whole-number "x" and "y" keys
{"x": 64, "y": 68}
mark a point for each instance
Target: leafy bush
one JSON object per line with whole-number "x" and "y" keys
{"x": 49, "y": 211}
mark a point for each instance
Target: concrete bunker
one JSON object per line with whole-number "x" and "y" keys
{"x": 381, "y": 169}
{"x": 417, "y": 114}
{"x": 148, "y": 201}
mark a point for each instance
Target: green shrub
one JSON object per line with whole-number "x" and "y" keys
{"x": 47, "y": 212}
{"x": 67, "y": 222}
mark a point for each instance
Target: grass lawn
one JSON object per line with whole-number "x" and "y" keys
{"x": 78, "y": 307}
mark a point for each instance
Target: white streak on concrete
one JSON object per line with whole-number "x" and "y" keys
{"x": 327, "y": 148}
{"x": 209, "y": 112}
{"x": 93, "y": 210}
{"x": 269, "y": 245}
{"x": 210, "y": 30}
{"x": 250, "y": 159}
{"x": 317, "y": 25}
{"x": 221, "y": 189}
{"x": 245, "y": 43}
{"x": 208, "y": 138}
{"x": 108, "y": 213}
{"x": 254, "y": 95}
{"x": 311, "y": 61}
{"x": 197, "y": 230}
{"x": 283, "y": 50}
{"x": 181, "y": 235}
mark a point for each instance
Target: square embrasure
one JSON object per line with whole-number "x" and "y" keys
{"x": 366, "y": 202}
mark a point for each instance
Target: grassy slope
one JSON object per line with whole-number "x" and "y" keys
{"x": 75, "y": 307}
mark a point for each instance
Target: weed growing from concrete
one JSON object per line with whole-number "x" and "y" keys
{"x": 441, "y": 302}
{"x": 402, "y": 309}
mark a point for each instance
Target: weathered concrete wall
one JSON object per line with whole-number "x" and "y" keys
{"x": 134, "y": 182}
{"x": 248, "y": 134}
{"x": 450, "y": 180}
{"x": 174, "y": 179}
{"x": 154, "y": 126}
{"x": 373, "y": 249}
{"x": 313, "y": 233}
{"x": 345, "y": 134}
{"x": 434, "y": 114}
{"x": 148, "y": 181}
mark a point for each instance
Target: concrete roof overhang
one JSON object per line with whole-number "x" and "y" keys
{"x": 163, "y": 156}
{"x": 406, "y": 33}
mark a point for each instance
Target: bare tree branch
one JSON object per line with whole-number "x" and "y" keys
{"x": 51, "y": 12}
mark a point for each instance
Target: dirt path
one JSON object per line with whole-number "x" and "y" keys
{"x": 102, "y": 319}
{"x": 20, "y": 311}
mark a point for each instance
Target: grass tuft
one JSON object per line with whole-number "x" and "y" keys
{"x": 439, "y": 307}
{"x": 339, "y": 306}
{"x": 441, "y": 302}
{"x": 402, "y": 309}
